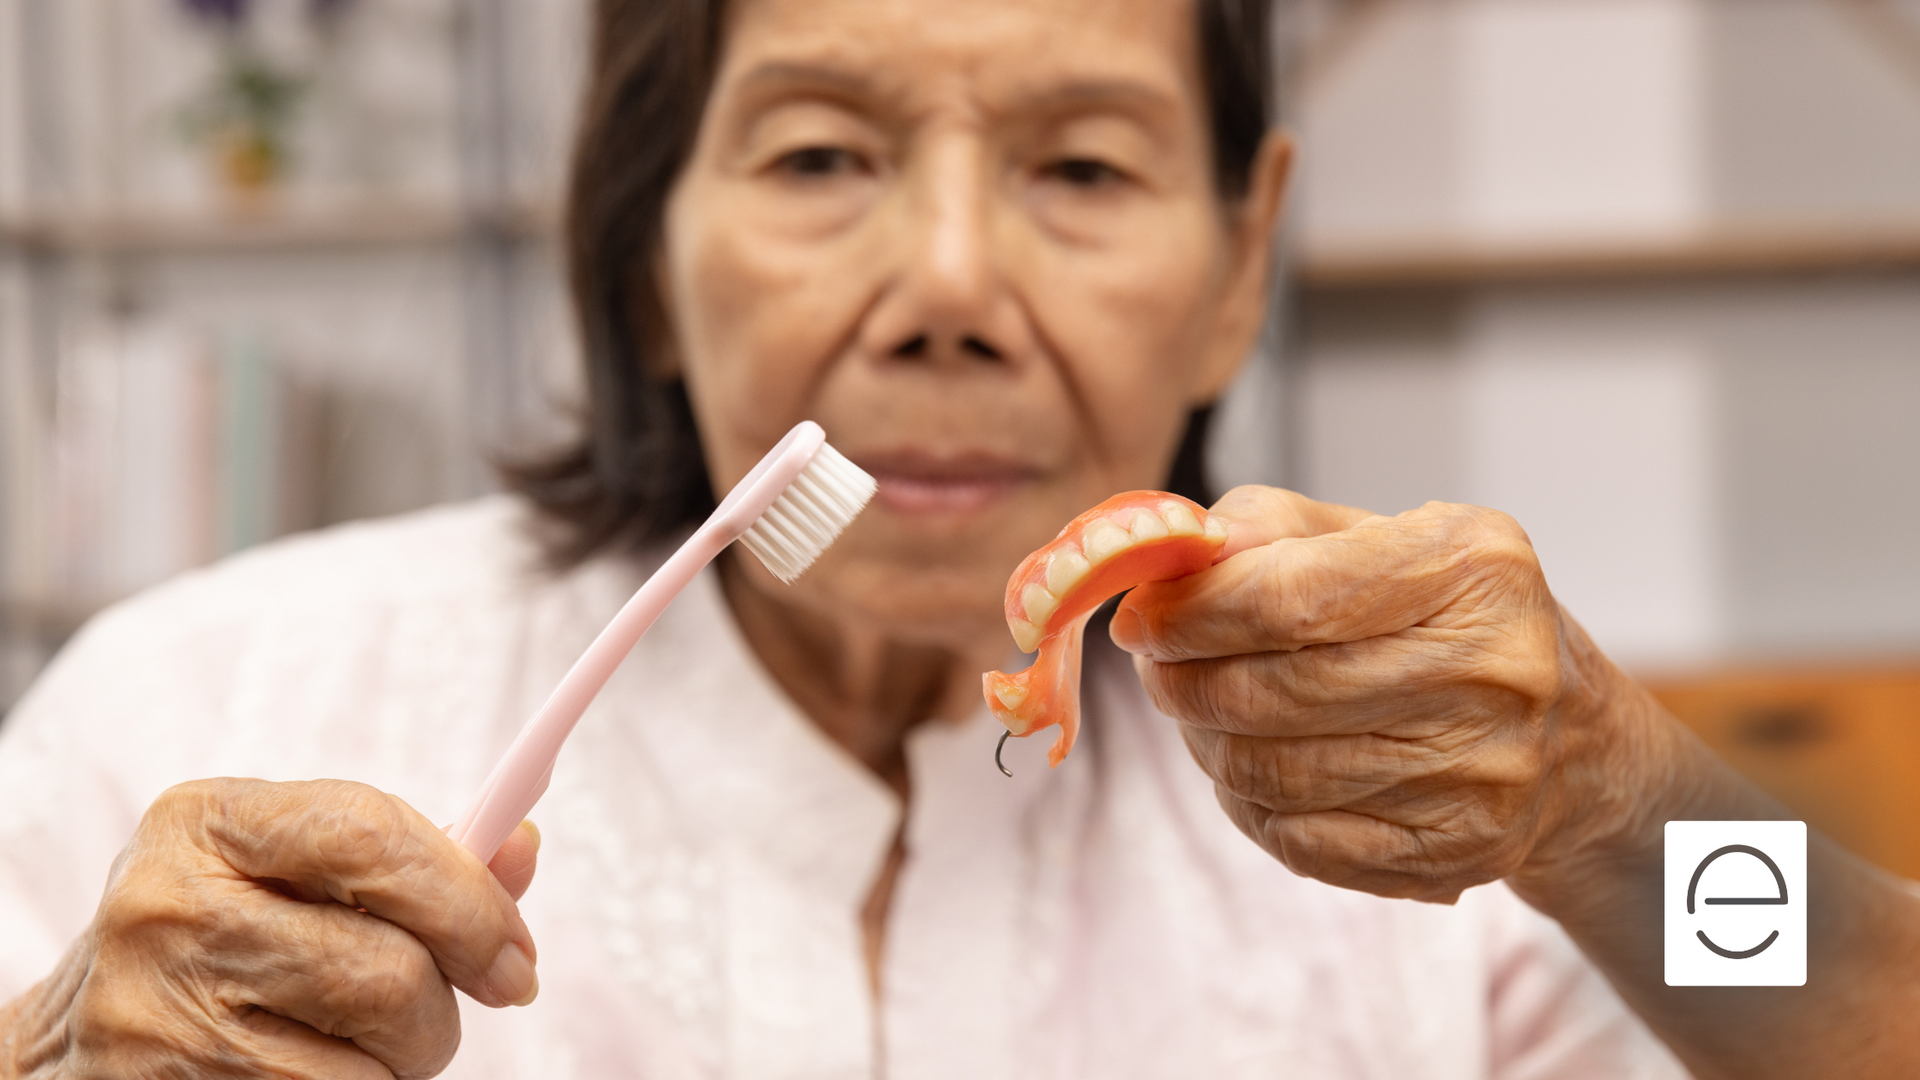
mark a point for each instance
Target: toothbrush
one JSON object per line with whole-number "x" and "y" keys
{"x": 788, "y": 510}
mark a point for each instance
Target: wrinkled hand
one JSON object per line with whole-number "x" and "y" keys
{"x": 299, "y": 930}
{"x": 1378, "y": 700}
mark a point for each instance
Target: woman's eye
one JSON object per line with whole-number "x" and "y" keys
{"x": 1084, "y": 172}
{"x": 818, "y": 161}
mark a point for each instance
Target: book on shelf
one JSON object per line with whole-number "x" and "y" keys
{"x": 172, "y": 448}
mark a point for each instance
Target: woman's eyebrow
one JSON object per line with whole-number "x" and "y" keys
{"x": 1142, "y": 97}
{"x": 770, "y": 76}
{"x": 1105, "y": 93}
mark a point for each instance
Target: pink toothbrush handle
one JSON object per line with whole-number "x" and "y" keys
{"x": 521, "y": 777}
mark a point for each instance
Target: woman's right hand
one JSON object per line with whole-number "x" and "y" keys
{"x": 301, "y": 930}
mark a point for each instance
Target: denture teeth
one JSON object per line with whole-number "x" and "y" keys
{"x": 1180, "y": 520}
{"x": 1216, "y": 530}
{"x": 1103, "y": 540}
{"x": 1146, "y": 525}
{"x": 1065, "y": 570}
{"x": 1040, "y": 604}
{"x": 1025, "y": 635}
{"x": 1010, "y": 694}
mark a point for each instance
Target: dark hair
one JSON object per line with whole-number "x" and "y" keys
{"x": 636, "y": 473}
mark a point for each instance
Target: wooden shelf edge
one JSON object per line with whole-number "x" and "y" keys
{"x": 1718, "y": 252}
{"x": 343, "y": 225}
{"x": 46, "y": 620}
{"x": 1892, "y": 664}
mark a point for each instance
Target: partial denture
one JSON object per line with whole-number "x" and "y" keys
{"x": 1128, "y": 540}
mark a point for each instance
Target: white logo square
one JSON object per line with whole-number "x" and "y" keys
{"x": 1736, "y": 903}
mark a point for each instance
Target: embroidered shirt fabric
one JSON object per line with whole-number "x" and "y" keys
{"x": 706, "y": 850}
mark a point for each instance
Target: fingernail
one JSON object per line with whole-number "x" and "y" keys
{"x": 513, "y": 979}
{"x": 1125, "y": 631}
{"x": 533, "y": 831}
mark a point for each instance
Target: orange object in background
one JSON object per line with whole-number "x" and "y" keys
{"x": 1840, "y": 746}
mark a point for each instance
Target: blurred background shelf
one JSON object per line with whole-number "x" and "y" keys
{"x": 1644, "y": 274}
{"x": 364, "y": 223}
{"x": 1731, "y": 251}
{"x": 57, "y": 619}
{"x": 209, "y": 339}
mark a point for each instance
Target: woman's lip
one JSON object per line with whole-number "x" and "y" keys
{"x": 923, "y": 484}
{"x": 921, "y": 495}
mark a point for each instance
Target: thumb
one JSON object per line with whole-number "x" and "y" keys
{"x": 513, "y": 864}
{"x": 1256, "y": 516}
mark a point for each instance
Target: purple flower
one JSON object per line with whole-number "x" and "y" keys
{"x": 229, "y": 12}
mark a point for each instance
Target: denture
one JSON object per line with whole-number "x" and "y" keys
{"x": 1128, "y": 540}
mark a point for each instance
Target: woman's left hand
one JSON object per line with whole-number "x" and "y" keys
{"x": 1396, "y": 705}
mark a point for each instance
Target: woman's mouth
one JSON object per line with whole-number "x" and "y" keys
{"x": 923, "y": 484}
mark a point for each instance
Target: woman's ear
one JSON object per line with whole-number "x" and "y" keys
{"x": 1251, "y": 233}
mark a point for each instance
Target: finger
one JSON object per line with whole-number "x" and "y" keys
{"x": 1488, "y": 781}
{"x": 1418, "y": 683}
{"x": 1256, "y": 515}
{"x": 1378, "y": 577}
{"x": 124, "y": 1025}
{"x": 1339, "y": 689}
{"x": 289, "y": 1048}
{"x": 343, "y": 973}
{"x": 363, "y": 848}
{"x": 514, "y": 863}
{"x": 1353, "y": 851}
{"x": 1302, "y": 776}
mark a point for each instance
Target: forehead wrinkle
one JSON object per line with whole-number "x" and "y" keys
{"x": 1051, "y": 101}
{"x": 942, "y": 69}
{"x": 864, "y": 88}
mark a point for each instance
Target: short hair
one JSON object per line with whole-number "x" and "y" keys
{"x": 635, "y": 473}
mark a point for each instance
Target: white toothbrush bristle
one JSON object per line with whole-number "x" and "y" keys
{"x": 810, "y": 515}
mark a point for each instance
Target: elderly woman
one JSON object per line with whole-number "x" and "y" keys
{"x": 1006, "y": 252}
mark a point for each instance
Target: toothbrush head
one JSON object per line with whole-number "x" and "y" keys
{"x": 810, "y": 513}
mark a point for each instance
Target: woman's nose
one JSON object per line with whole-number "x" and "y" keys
{"x": 947, "y": 297}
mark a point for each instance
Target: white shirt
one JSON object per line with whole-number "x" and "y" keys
{"x": 707, "y": 850}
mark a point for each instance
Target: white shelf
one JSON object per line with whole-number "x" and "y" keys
{"x": 368, "y": 223}
{"x": 1718, "y": 251}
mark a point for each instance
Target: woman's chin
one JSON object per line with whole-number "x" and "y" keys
{"x": 931, "y": 602}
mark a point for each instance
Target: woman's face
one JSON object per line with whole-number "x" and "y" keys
{"x": 980, "y": 244}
